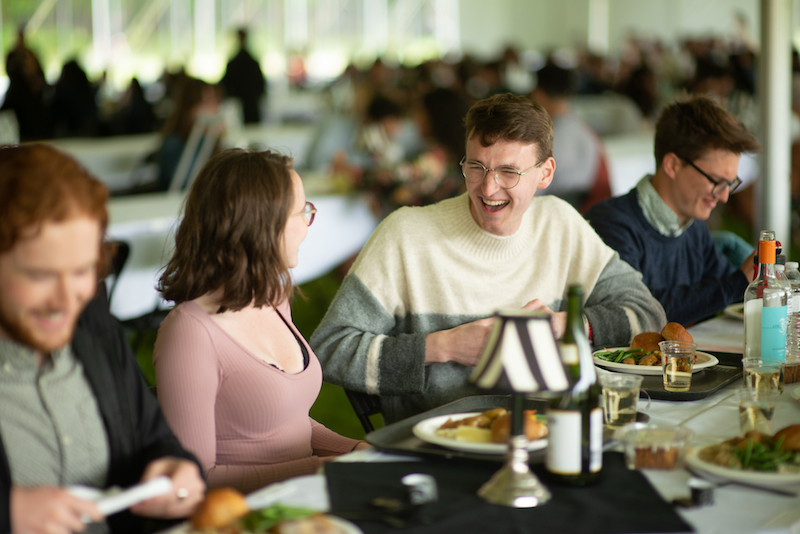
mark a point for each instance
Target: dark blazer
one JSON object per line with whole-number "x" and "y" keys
{"x": 136, "y": 429}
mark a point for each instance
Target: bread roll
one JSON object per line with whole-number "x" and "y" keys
{"x": 647, "y": 341}
{"x": 791, "y": 438}
{"x": 676, "y": 332}
{"x": 221, "y": 507}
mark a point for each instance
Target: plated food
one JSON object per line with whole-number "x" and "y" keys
{"x": 483, "y": 432}
{"x": 644, "y": 349}
{"x": 225, "y": 511}
{"x": 735, "y": 311}
{"x": 755, "y": 458}
{"x": 643, "y": 357}
{"x": 703, "y": 360}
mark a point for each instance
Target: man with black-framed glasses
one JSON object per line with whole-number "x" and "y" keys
{"x": 414, "y": 313}
{"x": 658, "y": 227}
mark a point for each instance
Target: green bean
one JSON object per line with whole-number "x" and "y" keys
{"x": 766, "y": 455}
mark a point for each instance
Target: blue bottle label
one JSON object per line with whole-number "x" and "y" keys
{"x": 773, "y": 332}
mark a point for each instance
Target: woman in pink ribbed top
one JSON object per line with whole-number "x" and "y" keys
{"x": 234, "y": 377}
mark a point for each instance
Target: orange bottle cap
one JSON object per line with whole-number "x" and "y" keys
{"x": 766, "y": 252}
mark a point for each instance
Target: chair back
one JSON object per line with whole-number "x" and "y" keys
{"x": 364, "y": 405}
{"x": 119, "y": 250}
{"x": 206, "y": 131}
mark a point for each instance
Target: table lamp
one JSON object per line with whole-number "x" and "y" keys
{"x": 521, "y": 356}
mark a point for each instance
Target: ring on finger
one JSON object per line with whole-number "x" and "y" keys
{"x": 181, "y": 493}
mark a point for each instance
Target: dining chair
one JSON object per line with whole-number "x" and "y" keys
{"x": 365, "y": 405}
{"x": 119, "y": 250}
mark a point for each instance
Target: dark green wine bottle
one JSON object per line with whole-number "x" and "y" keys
{"x": 575, "y": 421}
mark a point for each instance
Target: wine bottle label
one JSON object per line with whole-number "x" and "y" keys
{"x": 596, "y": 440}
{"x": 773, "y": 332}
{"x": 563, "y": 455}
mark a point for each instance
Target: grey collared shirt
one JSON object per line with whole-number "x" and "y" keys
{"x": 657, "y": 213}
{"x": 50, "y": 422}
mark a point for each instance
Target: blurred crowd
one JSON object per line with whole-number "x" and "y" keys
{"x": 397, "y": 130}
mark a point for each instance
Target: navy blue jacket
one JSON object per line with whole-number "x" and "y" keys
{"x": 687, "y": 274}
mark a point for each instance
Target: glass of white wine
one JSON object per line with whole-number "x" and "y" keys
{"x": 620, "y": 398}
{"x": 762, "y": 373}
{"x": 757, "y": 409}
{"x": 677, "y": 359}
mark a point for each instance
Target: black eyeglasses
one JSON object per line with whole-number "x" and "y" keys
{"x": 719, "y": 185}
{"x": 309, "y": 211}
{"x": 505, "y": 177}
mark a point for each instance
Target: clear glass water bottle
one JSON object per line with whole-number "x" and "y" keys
{"x": 793, "y": 330}
{"x": 765, "y": 306}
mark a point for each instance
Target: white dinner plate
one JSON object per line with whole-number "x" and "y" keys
{"x": 426, "y": 431}
{"x": 757, "y": 478}
{"x": 346, "y": 527}
{"x": 736, "y": 311}
{"x": 703, "y": 361}
{"x": 796, "y": 393}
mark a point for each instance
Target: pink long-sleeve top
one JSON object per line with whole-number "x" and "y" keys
{"x": 245, "y": 420}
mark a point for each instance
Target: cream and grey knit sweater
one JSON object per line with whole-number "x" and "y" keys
{"x": 433, "y": 268}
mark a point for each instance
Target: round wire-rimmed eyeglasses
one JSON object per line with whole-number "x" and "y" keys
{"x": 308, "y": 213}
{"x": 505, "y": 177}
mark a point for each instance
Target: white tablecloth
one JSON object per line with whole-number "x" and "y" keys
{"x": 723, "y": 333}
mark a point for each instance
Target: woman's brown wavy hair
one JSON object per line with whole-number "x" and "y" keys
{"x": 231, "y": 236}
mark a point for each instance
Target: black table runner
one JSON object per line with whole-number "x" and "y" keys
{"x": 623, "y": 502}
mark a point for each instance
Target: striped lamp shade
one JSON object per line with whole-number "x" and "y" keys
{"x": 521, "y": 355}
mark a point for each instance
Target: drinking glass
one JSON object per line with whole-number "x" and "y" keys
{"x": 762, "y": 373}
{"x": 791, "y": 371}
{"x": 677, "y": 359}
{"x": 757, "y": 409}
{"x": 620, "y": 398}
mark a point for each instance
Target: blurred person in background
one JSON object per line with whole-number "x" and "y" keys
{"x": 76, "y": 409}
{"x": 429, "y": 174}
{"x": 134, "y": 114}
{"x": 235, "y": 377}
{"x": 581, "y": 176}
{"x": 193, "y": 98}
{"x": 26, "y": 94}
{"x": 659, "y": 226}
{"x": 74, "y": 103}
{"x": 244, "y": 80}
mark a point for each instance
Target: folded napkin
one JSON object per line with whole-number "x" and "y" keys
{"x": 114, "y": 499}
{"x": 622, "y": 502}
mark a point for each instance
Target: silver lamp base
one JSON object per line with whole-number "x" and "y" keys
{"x": 514, "y": 485}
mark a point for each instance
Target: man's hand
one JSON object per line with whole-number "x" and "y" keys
{"x": 749, "y": 268}
{"x": 462, "y": 344}
{"x": 49, "y": 511}
{"x": 188, "y": 489}
{"x": 557, "y": 319}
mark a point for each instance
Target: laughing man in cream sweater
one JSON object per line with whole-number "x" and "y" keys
{"x": 413, "y": 314}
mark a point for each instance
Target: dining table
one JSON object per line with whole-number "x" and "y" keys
{"x": 735, "y": 508}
